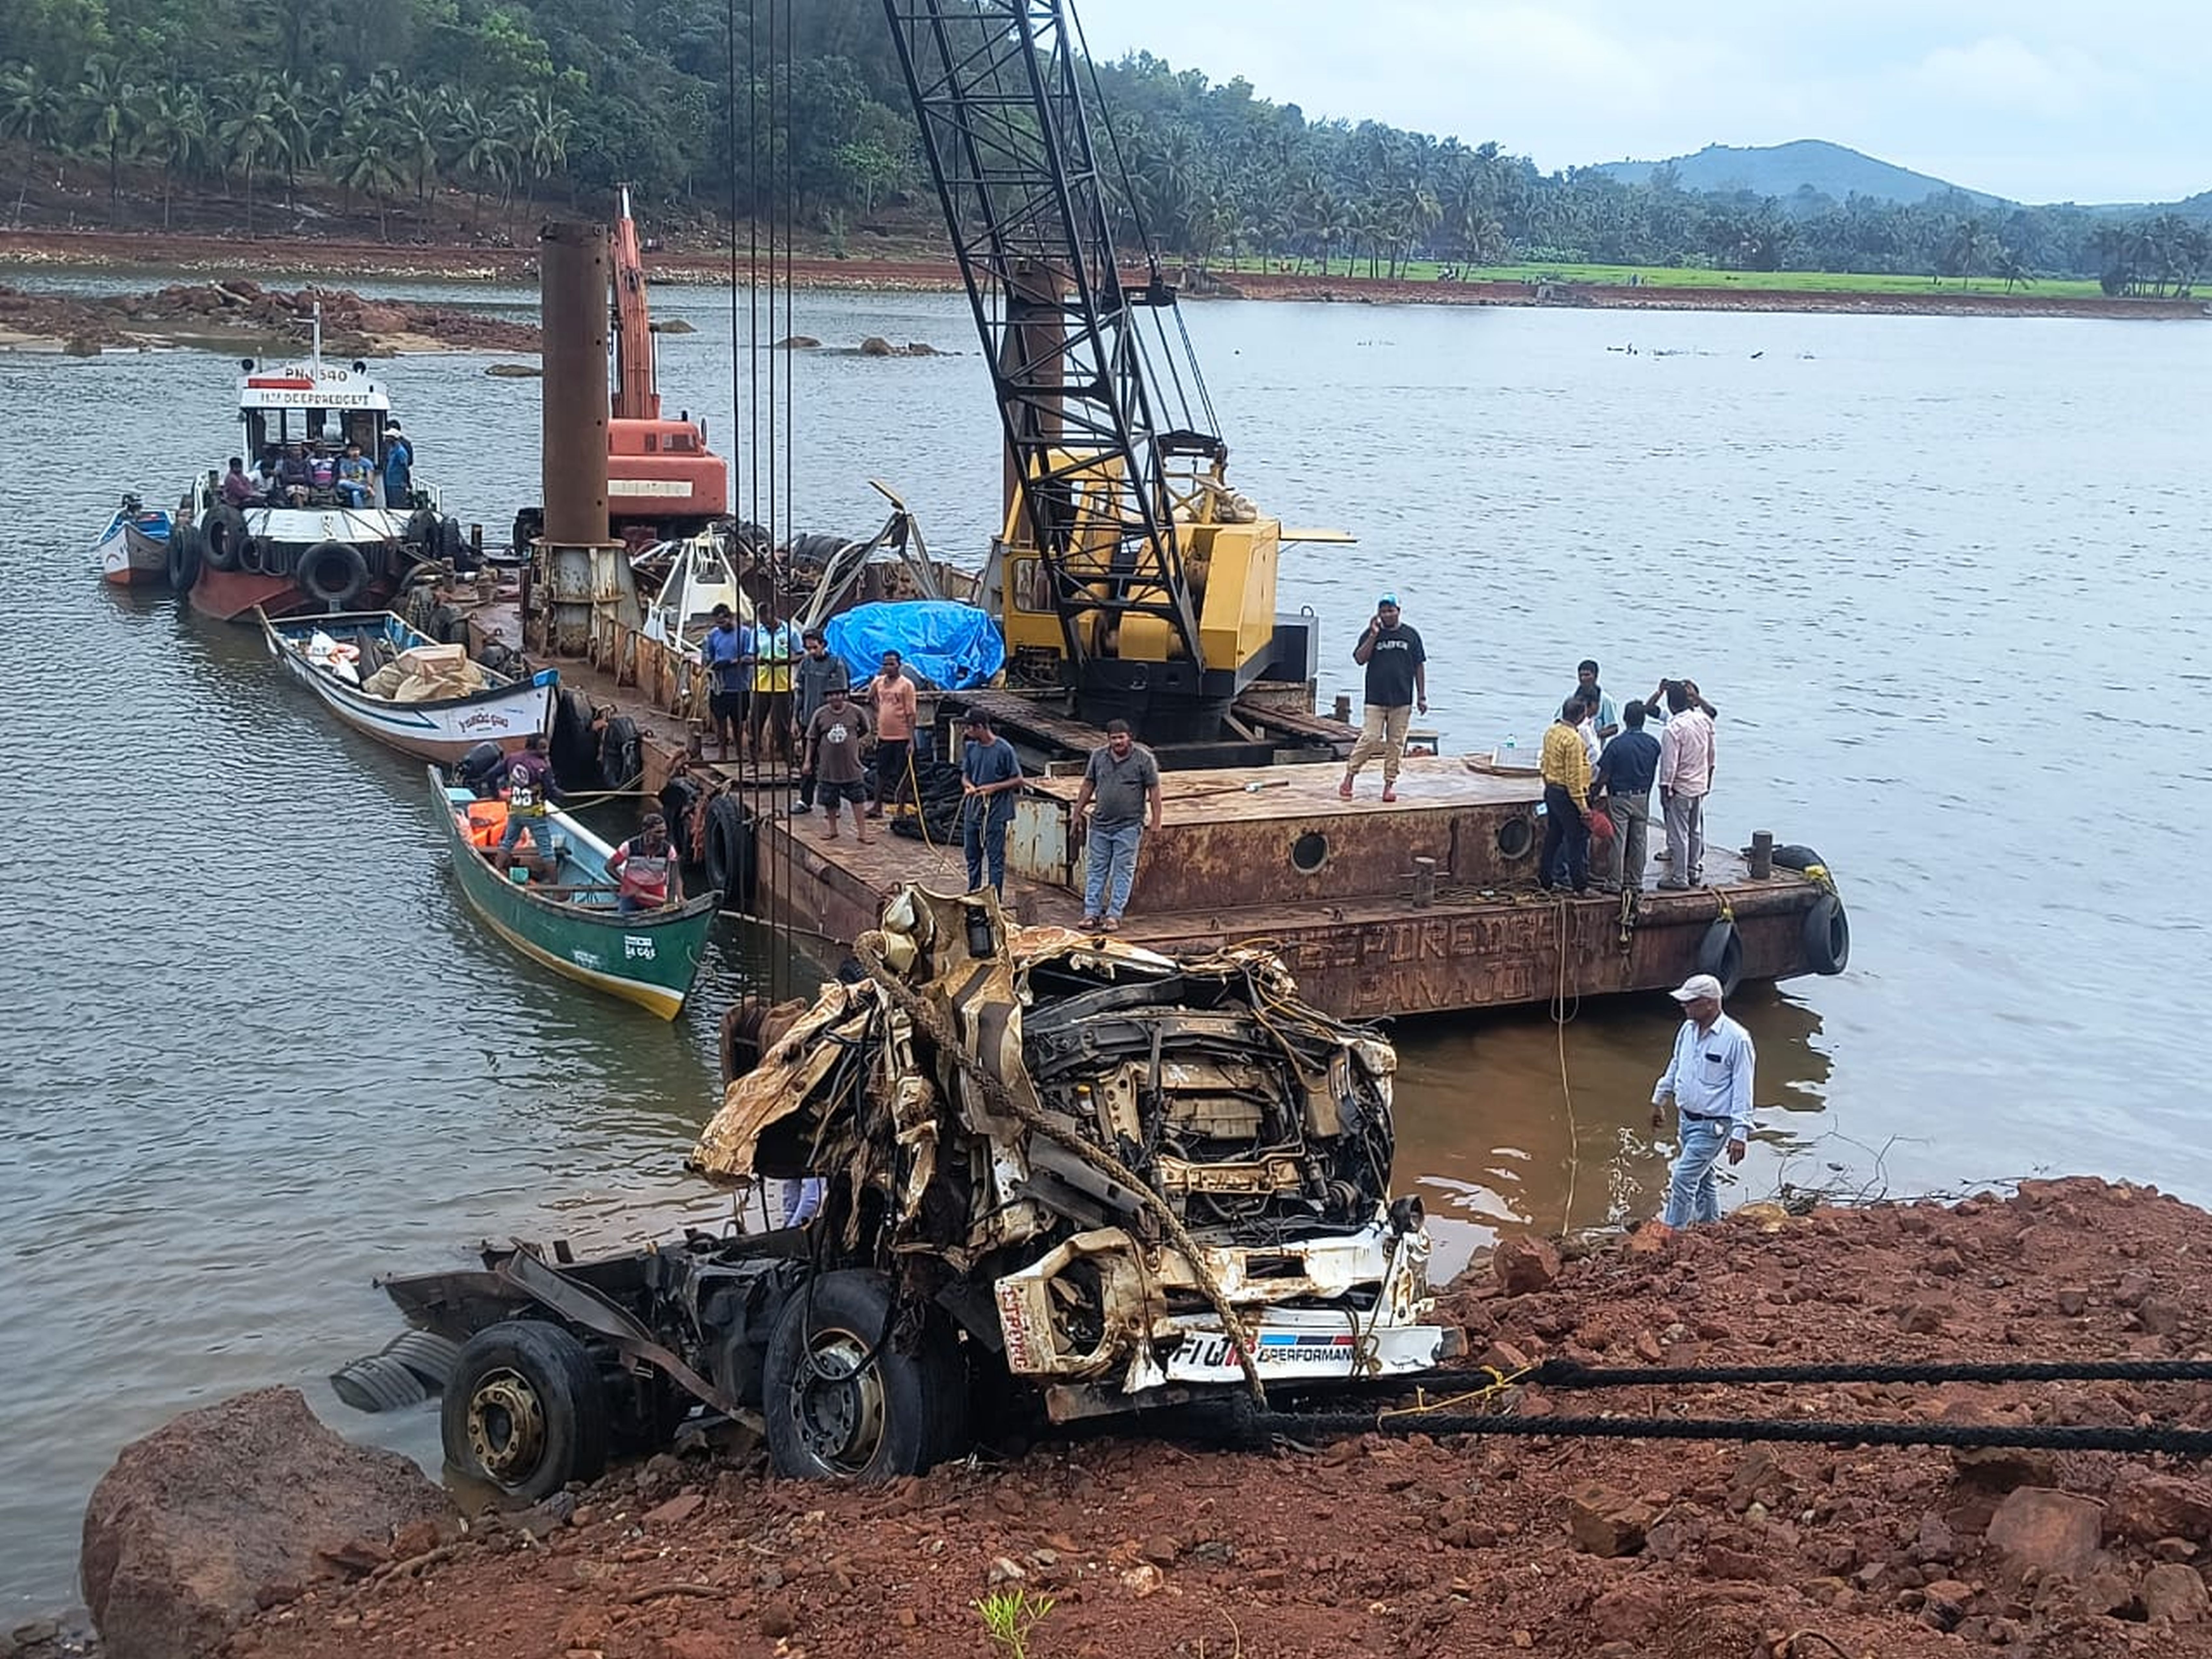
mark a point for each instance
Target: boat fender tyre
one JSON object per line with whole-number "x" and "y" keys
{"x": 574, "y": 749}
{"x": 187, "y": 551}
{"x": 453, "y": 547}
{"x": 844, "y": 1400}
{"x": 729, "y": 852}
{"x": 441, "y": 623}
{"x": 1827, "y": 935}
{"x": 249, "y": 557}
{"x": 334, "y": 573}
{"x": 1793, "y": 857}
{"x": 525, "y": 1410}
{"x": 422, "y": 531}
{"x": 222, "y": 535}
{"x": 275, "y": 560}
{"x": 1721, "y": 954}
{"x": 622, "y": 754}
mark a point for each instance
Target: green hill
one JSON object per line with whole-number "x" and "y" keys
{"x": 1782, "y": 170}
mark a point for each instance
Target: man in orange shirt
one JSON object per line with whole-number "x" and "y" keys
{"x": 893, "y": 695}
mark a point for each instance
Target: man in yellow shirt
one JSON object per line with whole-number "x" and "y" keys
{"x": 1566, "y": 768}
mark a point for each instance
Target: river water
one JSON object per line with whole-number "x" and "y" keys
{"x": 1943, "y": 578}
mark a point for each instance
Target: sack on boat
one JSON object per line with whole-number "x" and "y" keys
{"x": 429, "y": 672}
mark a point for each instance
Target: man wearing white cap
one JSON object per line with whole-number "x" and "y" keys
{"x": 1708, "y": 1080}
{"x": 1397, "y": 678}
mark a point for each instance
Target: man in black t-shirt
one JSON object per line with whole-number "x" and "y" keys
{"x": 1397, "y": 682}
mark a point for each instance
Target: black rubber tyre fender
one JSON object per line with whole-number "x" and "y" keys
{"x": 729, "y": 852}
{"x": 814, "y": 1403}
{"x": 187, "y": 551}
{"x": 453, "y": 546}
{"x": 333, "y": 572}
{"x": 1793, "y": 857}
{"x": 1720, "y": 953}
{"x": 622, "y": 754}
{"x": 573, "y": 751}
{"x": 525, "y": 1410}
{"x": 422, "y": 532}
{"x": 1827, "y": 935}
{"x": 222, "y": 537}
{"x": 249, "y": 557}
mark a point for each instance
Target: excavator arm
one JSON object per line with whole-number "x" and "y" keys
{"x": 636, "y": 394}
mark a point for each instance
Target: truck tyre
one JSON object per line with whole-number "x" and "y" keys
{"x": 842, "y": 1400}
{"x": 1827, "y": 935}
{"x": 729, "y": 852}
{"x": 524, "y": 1411}
{"x": 622, "y": 754}
{"x": 1721, "y": 954}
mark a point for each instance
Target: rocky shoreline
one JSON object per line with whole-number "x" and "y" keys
{"x": 900, "y": 270}
{"x": 1406, "y": 1544}
{"x": 241, "y": 314}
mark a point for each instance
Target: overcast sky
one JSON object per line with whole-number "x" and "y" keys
{"x": 2040, "y": 100}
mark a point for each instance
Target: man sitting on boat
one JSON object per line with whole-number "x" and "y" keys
{"x": 296, "y": 477}
{"x": 645, "y": 869}
{"x": 354, "y": 478}
{"x": 529, "y": 792}
{"x": 238, "y": 489}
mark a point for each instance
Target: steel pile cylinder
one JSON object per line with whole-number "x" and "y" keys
{"x": 573, "y": 275}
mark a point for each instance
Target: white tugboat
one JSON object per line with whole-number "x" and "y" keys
{"x": 328, "y": 516}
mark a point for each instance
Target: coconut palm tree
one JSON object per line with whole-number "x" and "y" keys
{"x": 108, "y": 117}
{"x": 478, "y": 141}
{"x": 370, "y": 163}
{"x": 175, "y": 133}
{"x": 543, "y": 130}
{"x": 32, "y": 108}
{"x": 246, "y": 132}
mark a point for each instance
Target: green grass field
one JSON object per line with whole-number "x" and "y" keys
{"x": 1825, "y": 282}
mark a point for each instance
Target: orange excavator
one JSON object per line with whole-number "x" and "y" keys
{"x": 663, "y": 482}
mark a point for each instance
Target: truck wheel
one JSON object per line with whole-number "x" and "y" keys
{"x": 842, "y": 1402}
{"x": 523, "y": 1412}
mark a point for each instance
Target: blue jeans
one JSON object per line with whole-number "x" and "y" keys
{"x": 1113, "y": 852}
{"x": 541, "y": 833}
{"x": 981, "y": 837}
{"x": 1692, "y": 1194}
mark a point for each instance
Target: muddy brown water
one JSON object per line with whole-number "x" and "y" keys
{"x": 1944, "y": 577}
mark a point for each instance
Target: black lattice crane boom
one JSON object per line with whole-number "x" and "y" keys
{"x": 1119, "y": 580}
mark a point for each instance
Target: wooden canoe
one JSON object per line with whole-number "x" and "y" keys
{"x": 569, "y": 923}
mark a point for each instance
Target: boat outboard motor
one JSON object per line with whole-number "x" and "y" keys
{"x": 480, "y": 767}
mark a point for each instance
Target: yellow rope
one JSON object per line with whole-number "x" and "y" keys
{"x": 1423, "y": 1406}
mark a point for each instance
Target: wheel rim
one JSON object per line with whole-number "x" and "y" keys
{"x": 838, "y": 1408}
{"x": 507, "y": 1427}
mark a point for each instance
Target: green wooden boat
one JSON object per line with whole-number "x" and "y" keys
{"x": 569, "y": 921}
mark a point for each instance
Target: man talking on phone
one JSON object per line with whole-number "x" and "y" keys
{"x": 1397, "y": 682}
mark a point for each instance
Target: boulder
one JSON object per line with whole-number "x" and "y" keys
{"x": 1607, "y": 1523}
{"x": 2051, "y": 1531}
{"x": 2001, "y": 1469}
{"x": 196, "y": 1522}
{"x": 2146, "y": 1506}
{"x": 1524, "y": 1265}
{"x": 2175, "y": 1594}
{"x": 876, "y": 346}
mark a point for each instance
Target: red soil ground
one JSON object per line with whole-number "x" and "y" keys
{"x": 1412, "y": 1546}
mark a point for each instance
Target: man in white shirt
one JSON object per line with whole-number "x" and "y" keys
{"x": 1708, "y": 1078}
{"x": 1685, "y": 776}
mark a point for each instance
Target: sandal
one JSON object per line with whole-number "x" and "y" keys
{"x": 1111, "y": 924}
{"x": 1089, "y": 924}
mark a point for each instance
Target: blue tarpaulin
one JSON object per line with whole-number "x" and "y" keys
{"x": 956, "y": 646}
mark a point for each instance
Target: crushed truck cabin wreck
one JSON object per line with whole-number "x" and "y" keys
{"x": 1064, "y": 1167}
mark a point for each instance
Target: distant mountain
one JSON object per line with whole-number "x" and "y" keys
{"x": 1785, "y": 170}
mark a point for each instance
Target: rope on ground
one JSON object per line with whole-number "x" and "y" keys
{"x": 1565, "y": 1374}
{"x": 2183, "y": 1443}
{"x": 869, "y": 947}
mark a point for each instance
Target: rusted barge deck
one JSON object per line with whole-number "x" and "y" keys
{"x": 1337, "y": 888}
{"x": 1428, "y": 905}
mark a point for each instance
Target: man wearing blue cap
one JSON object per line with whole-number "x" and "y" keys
{"x": 1397, "y": 680}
